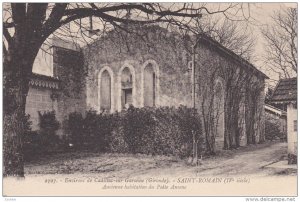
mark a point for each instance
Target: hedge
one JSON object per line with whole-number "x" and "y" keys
{"x": 156, "y": 131}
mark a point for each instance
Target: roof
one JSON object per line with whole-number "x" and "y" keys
{"x": 285, "y": 91}
{"x": 274, "y": 110}
{"x": 44, "y": 81}
{"x": 232, "y": 55}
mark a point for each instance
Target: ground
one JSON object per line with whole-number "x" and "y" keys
{"x": 248, "y": 171}
{"x": 251, "y": 161}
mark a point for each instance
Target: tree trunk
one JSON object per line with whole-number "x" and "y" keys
{"x": 17, "y": 72}
{"x": 18, "y": 58}
{"x": 13, "y": 144}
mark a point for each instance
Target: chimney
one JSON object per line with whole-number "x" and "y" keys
{"x": 91, "y": 26}
{"x": 91, "y": 30}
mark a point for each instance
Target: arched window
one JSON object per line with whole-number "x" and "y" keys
{"x": 126, "y": 88}
{"x": 149, "y": 86}
{"x": 105, "y": 91}
{"x": 219, "y": 110}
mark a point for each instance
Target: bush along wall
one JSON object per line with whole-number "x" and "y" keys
{"x": 156, "y": 131}
{"x": 272, "y": 131}
{"x": 44, "y": 140}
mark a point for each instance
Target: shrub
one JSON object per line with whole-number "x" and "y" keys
{"x": 272, "y": 130}
{"x": 27, "y": 124}
{"x": 43, "y": 141}
{"x": 47, "y": 134}
{"x": 163, "y": 131}
{"x": 35, "y": 144}
{"x": 98, "y": 129}
{"x": 189, "y": 123}
{"x": 75, "y": 128}
{"x": 48, "y": 127}
{"x": 139, "y": 129}
{"x": 92, "y": 132}
{"x": 115, "y": 141}
{"x": 292, "y": 159}
{"x": 48, "y": 123}
{"x": 174, "y": 131}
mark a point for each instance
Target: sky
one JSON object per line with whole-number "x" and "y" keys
{"x": 260, "y": 12}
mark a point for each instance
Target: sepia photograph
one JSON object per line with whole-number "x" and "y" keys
{"x": 150, "y": 99}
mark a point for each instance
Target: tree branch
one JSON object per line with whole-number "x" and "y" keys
{"x": 7, "y": 36}
{"x": 8, "y": 24}
{"x": 54, "y": 18}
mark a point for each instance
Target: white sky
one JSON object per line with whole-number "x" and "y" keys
{"x": 262, "y": 14}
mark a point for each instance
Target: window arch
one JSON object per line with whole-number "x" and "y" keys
{"x": 126, "y": 86}
{"x": 106, "y": 90}
{"x": 150, "y": 84}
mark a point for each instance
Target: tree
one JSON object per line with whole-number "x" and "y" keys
{"x": 26, "y": 26}
{"x": 281, "y": 42}
{"x": 234, "y": 35}
{"x": 268, "y": 95}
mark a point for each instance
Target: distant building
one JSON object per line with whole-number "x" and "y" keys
{"x": 285, "y": 93}
{"x": 277, "y": 117}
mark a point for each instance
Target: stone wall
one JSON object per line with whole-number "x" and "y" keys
{"x": 39, "y": 99}
{"x": 173, "y": 78}
{"x": 171, "y": 55}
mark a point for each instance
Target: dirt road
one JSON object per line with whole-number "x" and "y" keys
{"x": 71, "y": 171}
{"x": 249, "y": 160}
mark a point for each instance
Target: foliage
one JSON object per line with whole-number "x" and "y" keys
{"x": 139, "y": 127}
{"x": 272, "y": 130}
{"x": 48, "y": 127}
{"x": 98, "y": 129}
{"x": 269, "y": 95}
{"x": 48, "y": 123}
{"x": 43, "y": 141}
{"x": 91, "y": 132}
{"x": 292, "y": 159}
{"x": 75, "y": 127}
{"x": 156, "y": 131}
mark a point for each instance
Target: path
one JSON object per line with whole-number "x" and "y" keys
{"x": 244, "y": 161}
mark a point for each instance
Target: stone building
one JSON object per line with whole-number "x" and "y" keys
{"x": 151, "y": 67}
